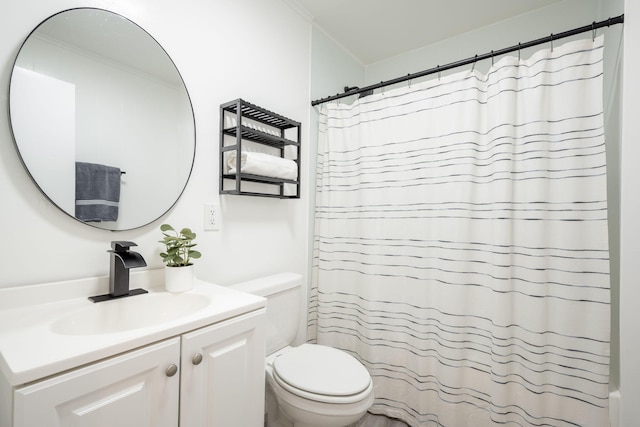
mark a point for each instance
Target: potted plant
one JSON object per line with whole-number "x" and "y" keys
{"x": 179, "y": 270}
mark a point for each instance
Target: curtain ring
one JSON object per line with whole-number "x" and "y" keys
{"x": 519, "y": 51}
{"x": 551, "y": 41}
{"x": 475, "y": 58}
{"x": 492, "y": 58}
{"x": 409, "y": 79}
{"x": 438, "y": 68}
{"x": 593, "y": 31}
{"x": 382, "y": 87}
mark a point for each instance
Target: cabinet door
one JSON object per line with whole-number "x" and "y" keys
{"x": 225, "y": 388}
{"x": 130, "y": 390}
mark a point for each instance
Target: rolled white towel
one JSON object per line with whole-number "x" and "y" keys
{"x": 263, "y": 165}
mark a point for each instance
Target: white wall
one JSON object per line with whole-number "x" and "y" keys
{"x": 255, "y": 49}
{"x": 630, "y": 225}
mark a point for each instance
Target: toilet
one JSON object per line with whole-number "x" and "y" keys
{"x": 310, "y": 385}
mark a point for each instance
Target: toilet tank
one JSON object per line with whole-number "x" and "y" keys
{"x": 283, "y": 293}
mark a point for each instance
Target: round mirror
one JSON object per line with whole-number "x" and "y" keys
{"x": 102, "y": 119}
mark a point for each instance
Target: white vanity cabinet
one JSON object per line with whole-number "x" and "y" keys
{"x": 222, "y": 381}
{"x": 218, "y": 382}
{"x": 129, "y": 390}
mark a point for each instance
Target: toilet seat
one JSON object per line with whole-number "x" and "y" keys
{"x": 322, "y": 373}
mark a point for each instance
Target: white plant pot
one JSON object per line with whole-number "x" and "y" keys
{"x": 179, "y": 279}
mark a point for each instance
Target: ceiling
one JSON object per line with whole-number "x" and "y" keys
{"x": 373, "y": 30}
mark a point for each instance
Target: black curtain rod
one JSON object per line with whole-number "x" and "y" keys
{"x": 349, "y": 91}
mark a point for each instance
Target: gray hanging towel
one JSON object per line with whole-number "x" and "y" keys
{"x": 97, "y": 192}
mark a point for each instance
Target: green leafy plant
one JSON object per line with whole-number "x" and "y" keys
{"x": 179, "y": 246}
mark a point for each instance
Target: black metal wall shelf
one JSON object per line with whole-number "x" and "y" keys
{"x": 259, "y": 137}
{"x": 254, "y": 124}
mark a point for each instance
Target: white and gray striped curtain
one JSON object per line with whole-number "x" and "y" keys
{"x": 461, "y": 245}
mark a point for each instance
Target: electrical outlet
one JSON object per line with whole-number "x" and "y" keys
{"x": 211, "y": 217}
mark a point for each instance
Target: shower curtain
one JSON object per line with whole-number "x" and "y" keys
{"x": 460, "y": 247}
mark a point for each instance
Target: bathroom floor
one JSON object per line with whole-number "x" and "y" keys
{"x": 371, "y": 420}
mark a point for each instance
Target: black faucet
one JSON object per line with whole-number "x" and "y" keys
{"x": 121, "y": 260}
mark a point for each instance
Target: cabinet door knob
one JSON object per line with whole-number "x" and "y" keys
{"x": 171, "y": 370}
{"x": 196, "y": 359}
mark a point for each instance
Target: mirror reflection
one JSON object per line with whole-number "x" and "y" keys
{"x": 102, "y": 119}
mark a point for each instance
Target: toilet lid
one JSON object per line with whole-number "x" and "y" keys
{"x": 322, "y": 370}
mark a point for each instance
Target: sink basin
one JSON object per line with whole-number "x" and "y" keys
{"x": 129, "y": 313}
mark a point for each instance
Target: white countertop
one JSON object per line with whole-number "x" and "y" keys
{"x": 32, "y": 348}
